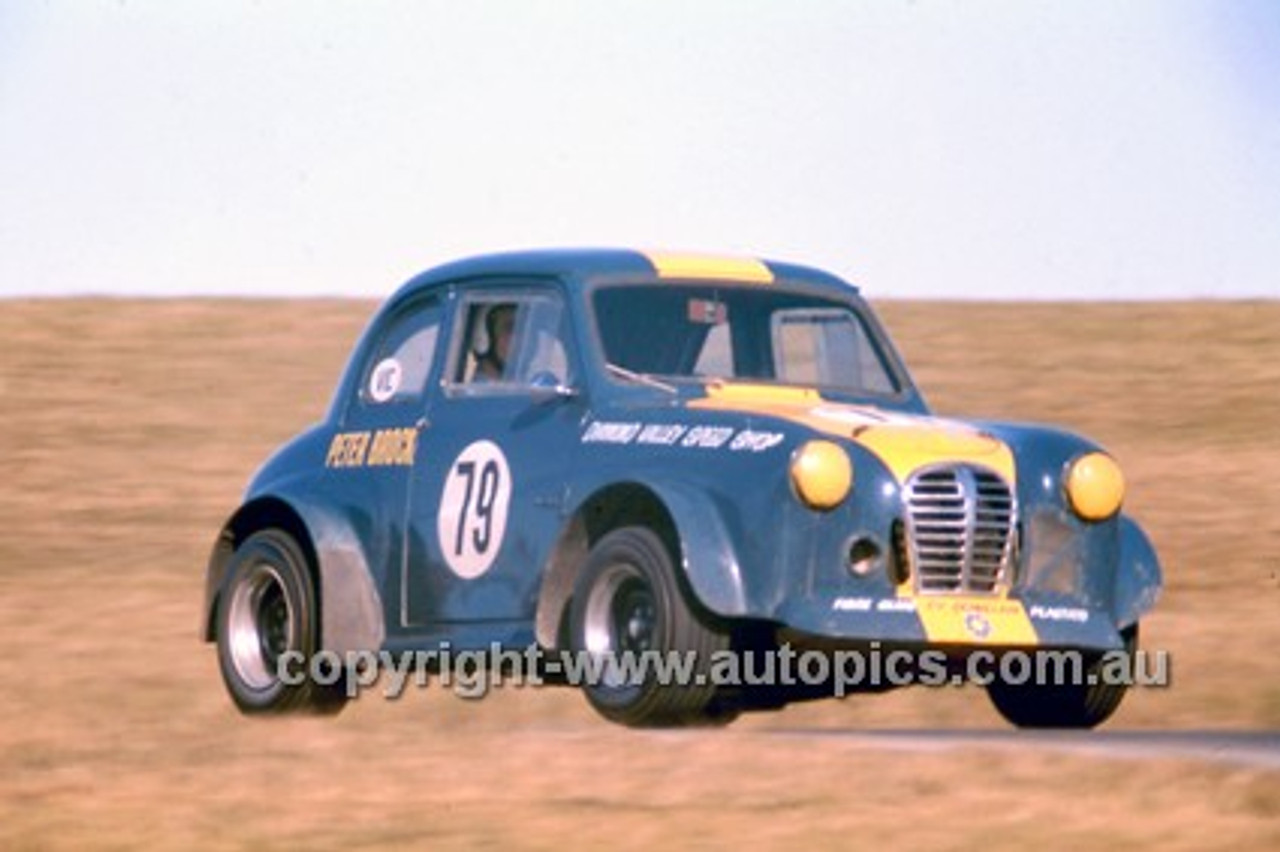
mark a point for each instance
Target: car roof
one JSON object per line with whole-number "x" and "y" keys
{"x": 592, "y": 266}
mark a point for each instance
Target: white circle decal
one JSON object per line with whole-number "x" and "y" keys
{"x": 473, "y": 509}
{"x": 385, "y": 380}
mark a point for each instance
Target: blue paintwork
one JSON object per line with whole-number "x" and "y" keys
{"x": 748, "y": 547}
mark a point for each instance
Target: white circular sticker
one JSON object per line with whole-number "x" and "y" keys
{"x": 385, "y": 380}
{"x": 473, "y": 509}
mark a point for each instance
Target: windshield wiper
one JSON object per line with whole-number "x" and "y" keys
{"x": 639, "y": 378}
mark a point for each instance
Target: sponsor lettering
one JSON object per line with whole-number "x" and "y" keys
{"x": 661, "y": 434}
{"x": 680, "y": 435}
{"x": 383, "y": 448}
{"x": 1073, "y": 614}
{"x": 707, "y": 437}
{"x": 393, "y": 447}
{"x": 603, "y": 432}
{"x": 755, "y": 442}
{"x": 896, "y": 605}
{"x": 851, "y": 605}
{"x": 348, "y": 449}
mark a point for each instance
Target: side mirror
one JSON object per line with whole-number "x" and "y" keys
{"x": 546, "y": 386}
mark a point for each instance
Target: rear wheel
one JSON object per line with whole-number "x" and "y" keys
{"x": 268, "y": 610}
{"x": 1066, "y": 705}
{"x": 630, "y": 617}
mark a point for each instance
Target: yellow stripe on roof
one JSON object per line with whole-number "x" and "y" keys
{"x": 703, "y": 266}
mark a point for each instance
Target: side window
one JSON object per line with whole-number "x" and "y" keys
{"x": 513, "y": 341}
{"x": 402, "y": 359}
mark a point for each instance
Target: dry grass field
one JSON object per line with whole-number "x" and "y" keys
{"x": 128, "y": 429}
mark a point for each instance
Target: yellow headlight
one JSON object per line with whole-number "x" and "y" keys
{"x": 822, "y": 474}
{"x": 1095, "y": 486}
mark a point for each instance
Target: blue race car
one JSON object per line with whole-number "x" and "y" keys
{"x": 598, "y": 455}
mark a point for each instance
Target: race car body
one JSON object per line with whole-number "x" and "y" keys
{"x": 606, "y": 452}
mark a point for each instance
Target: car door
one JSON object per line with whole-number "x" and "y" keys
{"x": 368, "y": 468}
{"x": 489, "y": 491}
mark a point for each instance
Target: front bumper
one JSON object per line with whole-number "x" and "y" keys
{"x": 952, "y": 621}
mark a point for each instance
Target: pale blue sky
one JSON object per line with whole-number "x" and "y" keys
{"x": 940, "y": 149}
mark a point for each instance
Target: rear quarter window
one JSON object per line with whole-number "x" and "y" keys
{"x": 402, "y": 359}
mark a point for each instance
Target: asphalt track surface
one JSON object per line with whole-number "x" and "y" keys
{"x": 1240, "y": 748}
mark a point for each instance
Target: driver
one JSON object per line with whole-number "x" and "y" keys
{"x": 492, "y": 341}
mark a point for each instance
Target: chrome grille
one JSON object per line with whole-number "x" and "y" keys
{"x": 960, "y": 530}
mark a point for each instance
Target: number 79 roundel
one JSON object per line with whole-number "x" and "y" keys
{"x": 472, "y": 518}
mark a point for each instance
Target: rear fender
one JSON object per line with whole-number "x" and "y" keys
{"x": 351, "y": 613}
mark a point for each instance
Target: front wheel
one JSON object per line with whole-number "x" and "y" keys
{"x": 1084, "y": 704}
{"x": 649, "y": 653}
{"x": 268, "y": 629}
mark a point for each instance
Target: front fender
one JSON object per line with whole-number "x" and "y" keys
{"x": 708, "y": 556}
{"x": 1138, "y": 575}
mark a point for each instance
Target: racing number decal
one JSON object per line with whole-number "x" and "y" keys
{"x": 473, "y": 509}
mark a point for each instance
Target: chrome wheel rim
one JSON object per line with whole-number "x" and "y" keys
{"x": 619, "y": 619}
{"x": 259, "y": 626}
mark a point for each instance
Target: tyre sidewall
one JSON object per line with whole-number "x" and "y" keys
{"x": 631, "y": 550}
{"x": 1063, "y": 705}
{"x": 676, "y": 628}
{"x": 278, "y": 555}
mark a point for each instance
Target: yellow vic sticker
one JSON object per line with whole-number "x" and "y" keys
{"x": 975, "y": 621}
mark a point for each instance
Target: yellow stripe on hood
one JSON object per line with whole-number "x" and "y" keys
{"x": 905, "y": 443}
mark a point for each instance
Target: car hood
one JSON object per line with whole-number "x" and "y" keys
{"x": 903, "y": 442}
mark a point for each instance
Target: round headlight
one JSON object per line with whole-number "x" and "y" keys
{"x": 822, "y": 474}
{"x": 1095, "y": 486}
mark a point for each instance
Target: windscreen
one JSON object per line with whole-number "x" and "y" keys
{"x": 703, "y": 333}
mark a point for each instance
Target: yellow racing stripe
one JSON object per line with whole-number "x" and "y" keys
{"x": 905, "y": 448}
{"x": 707, "y": 267}
{"x": 904, "y": 443}
{"x": 746, "y": 396}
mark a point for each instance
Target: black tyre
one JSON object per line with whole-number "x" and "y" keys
{"x": 628, "y": 603}
{"x": 1083, "y": 705}
{"x": 267, "y": 609}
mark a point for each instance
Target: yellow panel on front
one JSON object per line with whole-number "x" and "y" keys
{"x": 757, "y": 395}
{"x": 701, "y": 266}
{"x": 903, "y": 442}
{"x": 907, "y": 447}
{"x": 975, "y": 621}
